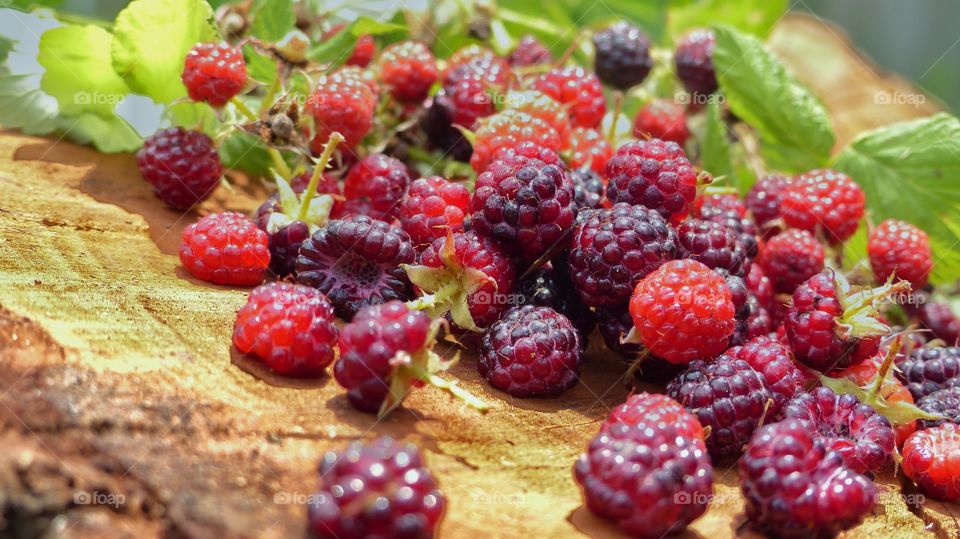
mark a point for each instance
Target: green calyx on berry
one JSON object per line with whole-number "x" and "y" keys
{"x": 448, "y": 287}
{"x": 859, "y": 317}
{"x": 421, "y": 367}
{"x": 311, "y": 209}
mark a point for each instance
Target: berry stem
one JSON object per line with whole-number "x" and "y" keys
{"x": 617, "y": 107}
{"x": 451, "y": 387}
{"x": 319, "y": 167}
{"x": 884, "y": 368}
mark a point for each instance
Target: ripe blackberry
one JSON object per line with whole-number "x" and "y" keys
{"x": 856, "y": 431}
{"x": 437, "y": 123}
{"x": 529, "y": 51}
{"x": 531, "y": 351}
{"x": 693, "y": 61}
{"x": 713, "y": 244}
{"x": 376, "y": 489}
{"x": 939, "y": 318}
{"x": 654, "y": 409}
{"x": 288, "y": 326}
{"x": 356, "y": 261}
{"x": 927, "y": 370}
{"x": 375, "y": 185}
{"x": 578, "y": 89}
{"x": 731, "y": 212}
{"x": 900, "y": 250}
{"x": 683, "y": 311}
{"x": 795, "y": 487}
{"x": 663, "y": 120}
{"x": 340, "y": 103}
{"x": 588, "y": 148}
{"x": 824, "y": 202}
{"x": 408, "y": 69}
{"x": 649, "y": 479}
{"x": 549, "y": 286}
{"x": 433, "y": 205}
{"x": 214, "y": 73}
{"x": 622, "y": 58}
{"x": 763, "y": 201}
{"x": 588, "y": 188}
{"x": 790, "y": 258}
{"x": 363, "y": 52}
{"x": 931, "y": 458}
{"x": 774, "y": 362}
{"x": 527, "y": 208}
{"x": 225, "y": 248}
{"x": 614, "y": 248}
{"x": 728, "y": 397}
{"x": 945, "y": 402}
{"x": 182, "y": 166}
{"x": 655, "y": 174}
{"x": 509, "y": 129}
{"x": 465, "y": 275}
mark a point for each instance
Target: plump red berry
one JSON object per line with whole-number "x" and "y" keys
{"x": 774, "y": 362}
{"x": 653, "y": 173}
{"x": 588, "y": 189}
{"x": 713, "y": 244}
{"x": 468, "y": 101}
{"x": 760, "y": 285}
{"x": 683, "y": 311}
{"x": 578, "y": 89}
{"x": 340, "y": 103}
{"x": 654, "y": 408}
{"x": 363, "y": 51}
{"x": 531, "y": 351}
{"x": 662, "y": 119}
{"x": 288, "y": 326}
{"x": 790, "y": 258}
{"x": 796, "y": 488}
{"x": 225, "y": 248}
{"x": 529, "y": 51}
{"x": 433, "y": 206}
{"x": 588, "y": 148}
{"x": 939, "y": 318}
{"x": 509, "y": 129}
{"x": 540, "y": 105}
{"x": 931, "y": 458}
{"x": 408, "y": 69}
{"x": 824, "y": 202}
{"x": 763, "y": 201}
{"x": 622, "y": 58}
{"x": 649, "y": 478}
{"x": 356, "y": 261}
{"x": 693, "y": 60}
{"x": 928, "y": 369}
{"x": 731, "y": 212}
{"x": 214, "y": 73}
{"x": 376, "y": 489}
{"x": 375, "y": 186}
{"x": 476, "y": 62}
{"x": 182, "y": 166}
{"x": 900, "y": 250}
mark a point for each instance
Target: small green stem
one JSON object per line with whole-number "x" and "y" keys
{"x": 243, "y": 109}
{"x": 319, "y": 167}
{"x": 451, "y": 387}
{"x": 617, "y": 107}
{"x": 884, "y": 368}
{"x": 268, "y": 97}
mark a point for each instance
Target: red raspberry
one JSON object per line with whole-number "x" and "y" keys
{"x": 927, "y": 370}
{"x": 760, "y": 285}
{"x": 648, "y": 478}
{"x": 363, "y": 52}
{"x": 340, "y": 103}
{"x": 356, "y": 261}
{"x": 682, "y": 311}
{"x": 774, "y": 362}
{"x": 825, "y": 202}
{"x": 790, "y": 258}
{"x": 531, "y": 351}
{"x": 529, "y": 51}
{"x": 182, "y": 166}
{"x": 831, "y": 327}
{"x": 578, "y": 89}
{"x": 860, "y": 435}
{"x": 214, "y": 72}
{"x": 527, "y": 208}
{"x": 375, "y": 186}
{"x": 289, "y": 326}
{"x": 465, "y": 275}
{"x": 662, "y": 119}
{"x": 902, "y": 250}
{"x": 508, "y": 129}
{"x": 653, "y": 173}
{"x": 622, "y": 59}
{"x": 469, "y": 100}
{"x": 796, "y": 488}
{"x": 715, "y": 245}
{"x": 476, "y": 62}
{"x": 612, "y": 249}
{"x": 944, "y": 403}
{"x": 225, "y": 248}
{"x": 365, "y": 76}
{"x": 728, "y": 397}
{"x": 376, "y": 489}
{"x": 931, "y": 458}
{"x": 588, "y": 148}
{"x": 408, "y": 69}
{"x": 540, "y": 105}
{"x": 654, "y": 409}
{"x": 763, "y": 201}
{"x": 433, "y": 206}
{"x": 694, "y": 63}
{"x": 939, "y": 318}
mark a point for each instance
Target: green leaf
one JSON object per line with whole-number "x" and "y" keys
{"x": 151, "y": 40}
{"x": 78, "y": 70}
{"x": 794, "y": 127}
{"x": 28, "y": 5}
{"x": 751, "y": 16}
{"x": 25, "y": 107}
{"x": 108, "y": 134}
{"x": 337, "y": 49}
{"x": 243, "y": 151}
{"x": 6, "y": 45}
{"x": 259, "y": 67}
{"x": 911, "y": 171}
{"x": 715, "y": 147}
{"x": 272, "y": 19}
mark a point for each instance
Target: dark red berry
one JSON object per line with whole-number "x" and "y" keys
{"x": 931, "y": 458}
{"x": 510, "y": 129}
{"x": 824, "y": 202}
{"x": 940, "y": 319}
{"x": 408, "y": 69}
{"x": 214, "y": 73}
{"x": 790, "y": 258}
{"x": 761, "y": 285}
{"x": 927, "y": 370}
{"x": 182, "y": 166}
{"x": 549, "y": 286}
{"x": 774, "y": 362}
{"x": 529, "y": 51}
{"x": 469, "y": 100}
{"x": 693, "y": 60}
{"x": 437, "y": 123}
{"x": 654, "y": 409}
{"x": 375, "y": 185}
{"x": 614, "y": 325}
{"x": 731, "y": 212}
{"x": 945, "y": 402}
{"x": 763, "y": 201}
{"x": 714, "y": 245}
{"x": 622, "y": 59}
{"x": 588, "y": 188}
{"x": 655, "y": 174}
{"x": 476, "y": 62}
{"x": 225, "y": 248}
{"x": 662, "y": 119}
{"x": 580, "y": 90}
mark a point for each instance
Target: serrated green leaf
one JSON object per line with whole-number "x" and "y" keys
{"x": 337, "y": 49}
{"x": 794, "y": 128}
{"x": 259, "y": 67}
{"x": 751, "y": 16}
{"x": 78, "y": 70}
{"x": 25, "y": 107}
{"x": 911, "y": 171}
{"x": 715, "y": 147}
{"x": 244, "y": 152}
{"x": 272, "y": 19}
{"x": 151, "y": 40}
{"x": 108, "y": 134}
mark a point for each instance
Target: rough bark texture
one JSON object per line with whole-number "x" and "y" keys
{"x": 124, "y": 413}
